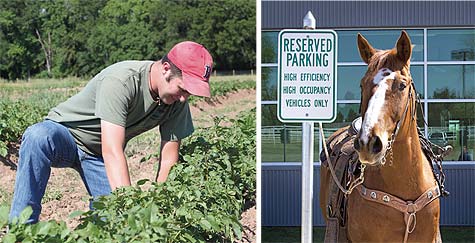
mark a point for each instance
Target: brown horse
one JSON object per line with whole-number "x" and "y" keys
{"x": 398, "y": 200}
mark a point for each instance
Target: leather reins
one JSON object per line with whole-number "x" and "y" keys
{"x": 360, "y": 179}
{"x": 398, "y": 125}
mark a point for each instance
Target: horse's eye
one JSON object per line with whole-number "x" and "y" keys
{"x": 402, "y": 86}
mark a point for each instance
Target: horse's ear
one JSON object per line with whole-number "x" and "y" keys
{"x": 365, "y": 49}
{"x": 404, "y": 47}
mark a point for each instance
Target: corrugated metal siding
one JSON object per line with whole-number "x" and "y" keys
{"x": 368, "y": 14}
{"x": 459, "y": 207}
{"x": 285, "y": 181}
{"x": 281, "y": 195}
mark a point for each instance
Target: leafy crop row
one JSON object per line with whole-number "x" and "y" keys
{"x": 201, "y": 201}
{"x": 224, "y": 87}
{"x": 16, "y": 116}
{"x": 23, "y": 104}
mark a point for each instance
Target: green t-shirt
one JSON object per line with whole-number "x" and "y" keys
{"x": 120, "y": 94}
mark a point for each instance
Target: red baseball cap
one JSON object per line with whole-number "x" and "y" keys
{"x": 195, "y": 63}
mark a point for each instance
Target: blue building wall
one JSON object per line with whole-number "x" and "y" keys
{"x": 368, "y": 14}
{"x": 281, "y": 195}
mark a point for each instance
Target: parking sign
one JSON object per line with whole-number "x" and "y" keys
{"x": 307, "y": 79}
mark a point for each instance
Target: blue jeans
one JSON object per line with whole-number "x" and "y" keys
{"x": 49, "y": 144}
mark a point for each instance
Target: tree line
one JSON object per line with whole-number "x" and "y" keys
{"x": 58, "y": 38}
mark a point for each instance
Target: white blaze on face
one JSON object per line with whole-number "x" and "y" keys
{"x": 376, "y": 102}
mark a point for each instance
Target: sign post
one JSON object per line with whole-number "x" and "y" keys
{"x": 307, "y": 94}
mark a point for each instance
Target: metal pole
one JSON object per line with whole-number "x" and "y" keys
{"x": 464, "y": 130}
{"x": 309, "y": 22}
{"x": 307, "y": 181}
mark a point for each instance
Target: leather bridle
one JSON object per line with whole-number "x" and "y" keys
{"x": 398, "y": 125}
{"x": 408, "y": 208}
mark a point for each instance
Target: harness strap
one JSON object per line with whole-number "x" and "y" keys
{"x": 408, "y": 208}
{"x": 396, "y": 130}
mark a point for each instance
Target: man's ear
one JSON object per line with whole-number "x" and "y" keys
{"x": 166, "y": 71}
{"x": 166, "y": 67}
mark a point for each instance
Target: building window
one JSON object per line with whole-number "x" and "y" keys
{"x": 269, "y": 83}
{"x": 349, "y": 78}
{"x": 379, "y": 39}
{"x": 447, "y": 92}
{"x": 451, "y": 45}
{"x": 282, "y": 142}
{"x": 453, "y": 124}
{"x": 269, "y": 46}
{"x": 451, "y": 81}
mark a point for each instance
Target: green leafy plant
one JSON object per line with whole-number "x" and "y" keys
{"x": 202, "y": 200}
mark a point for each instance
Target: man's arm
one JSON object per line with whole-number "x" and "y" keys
{"x": 168, "y": 158}
{"x": 113, "y": 139}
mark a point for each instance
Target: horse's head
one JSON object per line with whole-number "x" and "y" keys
{"x": 384, "y": 97}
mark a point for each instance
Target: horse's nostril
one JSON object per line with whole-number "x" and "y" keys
{"x": 377, "y": 145}
{"x": 356, "y": 144}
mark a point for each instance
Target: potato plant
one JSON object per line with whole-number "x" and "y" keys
{"x": 202, "y": 200}
{"x": 15, "y": 117}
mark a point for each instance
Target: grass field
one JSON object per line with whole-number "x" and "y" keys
{"x": 37, "y": 89}
{"x": 292, "y": 234}
{"x": 280, "y": 152}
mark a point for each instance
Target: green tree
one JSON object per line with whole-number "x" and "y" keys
{"x": 78, "y": 38}
{"x": 70, "y": 23}
{"x": 18, "y": 45}
{"x": 225, "y": 27}
{"x": 124, "y": 31}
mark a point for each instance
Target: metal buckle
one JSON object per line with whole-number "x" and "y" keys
{"x": 329, "y": 211}
{"x": 411, "y": 207}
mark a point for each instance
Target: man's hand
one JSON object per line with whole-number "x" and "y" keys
{"x": 113, "y": 139}
{"x": 168, "y": 158}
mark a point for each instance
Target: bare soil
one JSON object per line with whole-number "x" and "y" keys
{"x": 66, "y": 193}
{"x": 230, "y": 106}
